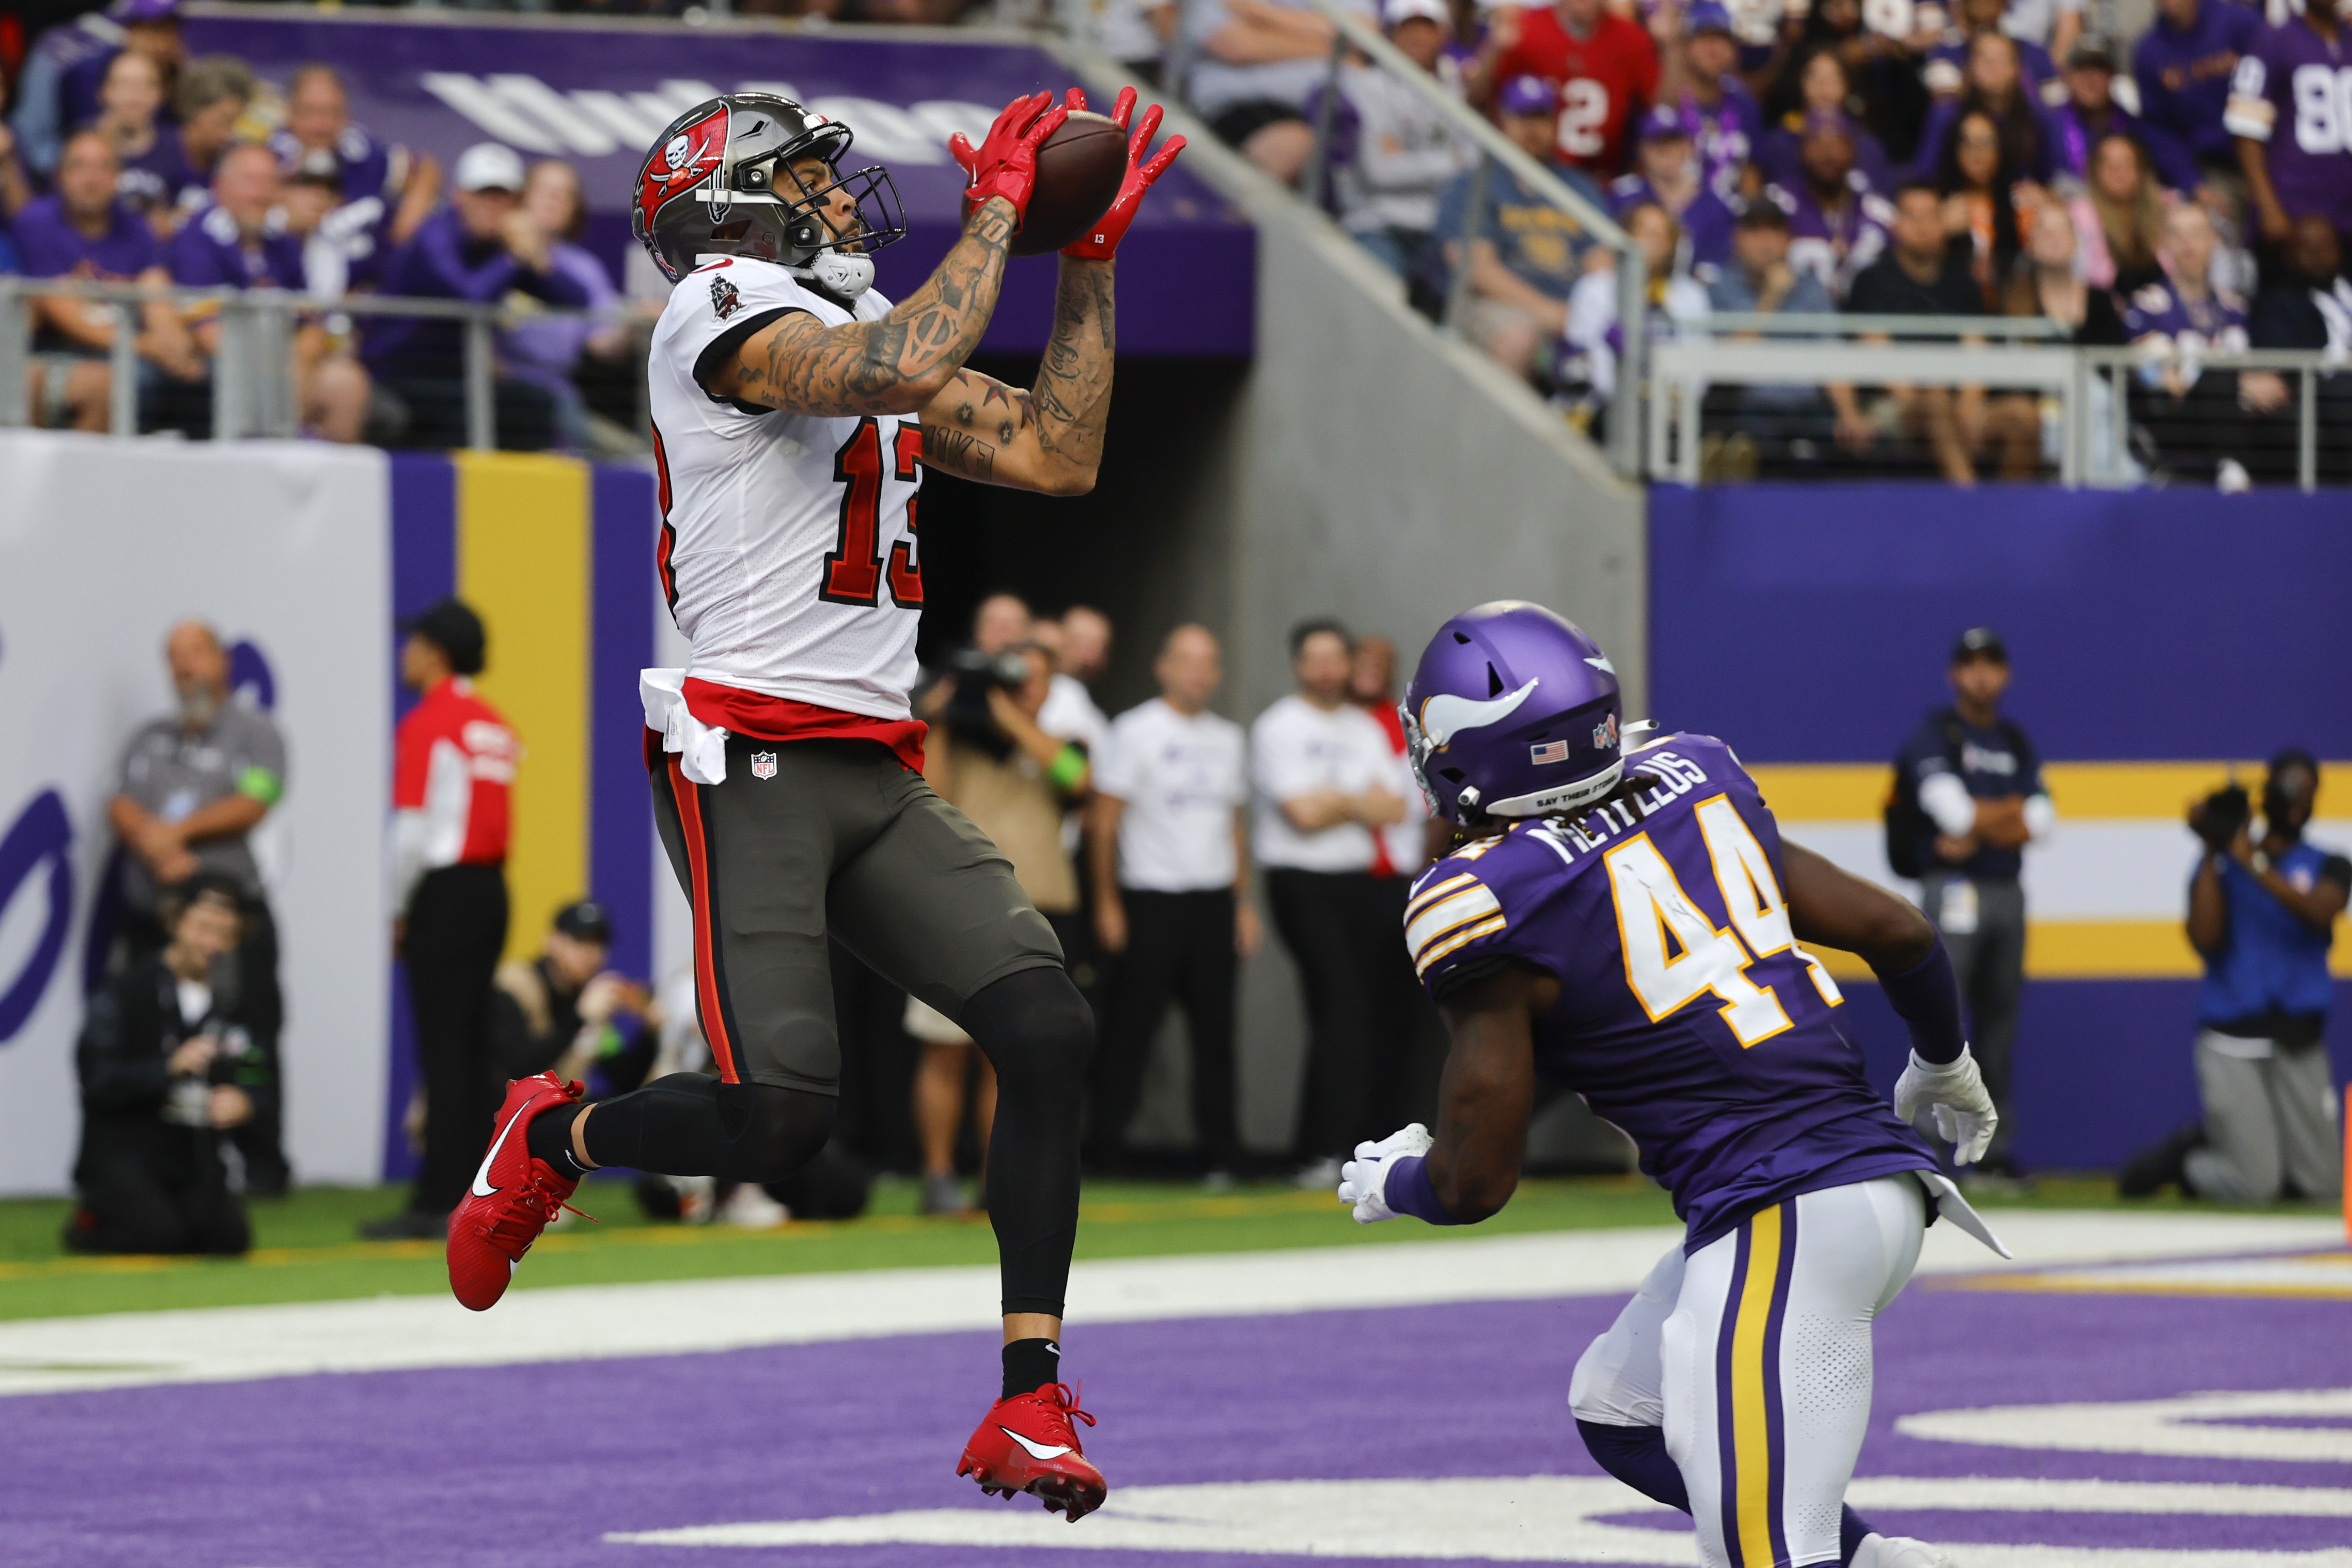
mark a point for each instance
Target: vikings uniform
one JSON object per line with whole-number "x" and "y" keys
{"x": 1689, "y": 1015}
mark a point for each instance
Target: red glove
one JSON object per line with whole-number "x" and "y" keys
{"x": 1007, "y": 161}
{"x": 1103, "y": 241}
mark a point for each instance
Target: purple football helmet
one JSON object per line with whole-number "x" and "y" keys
{"x": 1513, "y": 712}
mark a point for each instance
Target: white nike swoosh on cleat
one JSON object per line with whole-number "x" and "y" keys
{"x": 1036, "y": 1450}
{"x": 482, "y": 1188}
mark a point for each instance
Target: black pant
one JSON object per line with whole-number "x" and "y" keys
{"x": 457, "y": 929}
{"x": 1346, "y": 932}
{"x": 153, "y": 1188}
{"x": 1989, "y": 963}
{"x": 1179, "y": 946}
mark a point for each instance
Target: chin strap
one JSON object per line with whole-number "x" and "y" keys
{"x": 847, "y": 276}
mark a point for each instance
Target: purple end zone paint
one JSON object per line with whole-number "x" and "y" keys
{"x": 529, "y": 1466}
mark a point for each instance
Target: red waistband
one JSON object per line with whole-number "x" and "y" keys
{"x": 769, "y": 718}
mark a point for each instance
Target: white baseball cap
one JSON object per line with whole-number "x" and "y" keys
{"x": 1396, "y": 11}
{"x": 489, "y": 166}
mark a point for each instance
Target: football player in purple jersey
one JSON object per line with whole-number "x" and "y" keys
{"x": 1622, "y": 916}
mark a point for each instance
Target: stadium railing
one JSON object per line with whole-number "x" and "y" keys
{"x": 252, "y": 376}
{"x": 1352, "y": 36}
{"x": 2091, "y": 387}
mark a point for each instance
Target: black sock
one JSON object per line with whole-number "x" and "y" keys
{"x": 550, "y": 1139}
{"x": 1030, "y": 1365}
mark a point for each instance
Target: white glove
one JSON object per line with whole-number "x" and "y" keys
{"x": 1964, "y": 1113}
{"x": 1364, "y": 1179}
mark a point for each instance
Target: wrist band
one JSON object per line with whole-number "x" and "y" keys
{"x": 1927, "y": 997}
{"x": 1408, "y": 1191}
{"x": 1068, "y": 769}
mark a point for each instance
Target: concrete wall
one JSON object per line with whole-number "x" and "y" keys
{"x": 1379, "y": 470}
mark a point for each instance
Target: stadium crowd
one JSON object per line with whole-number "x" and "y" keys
{"x": 2188, "y": 195}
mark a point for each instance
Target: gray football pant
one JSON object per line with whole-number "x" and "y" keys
{"x": 1990, "y": 964}
{"x": 2267, "y": 1120}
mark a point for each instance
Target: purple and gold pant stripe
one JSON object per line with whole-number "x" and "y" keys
{"x": 1748, "y": 1422}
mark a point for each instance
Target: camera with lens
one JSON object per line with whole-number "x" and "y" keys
{"x": 974, "y": 675}
{"x": 2220, "y": 816}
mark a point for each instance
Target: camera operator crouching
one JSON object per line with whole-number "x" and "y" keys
{"x": 2263, "y": 912}
{"x": 168, "y": 1067}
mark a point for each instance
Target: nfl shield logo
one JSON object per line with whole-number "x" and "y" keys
{"x": 764, "y": 764}
{"x": 1604, "y": 734}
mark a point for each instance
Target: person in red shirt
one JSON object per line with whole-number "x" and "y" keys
{"x": 1604, "y": 64}
{"x": 453, "y": 772}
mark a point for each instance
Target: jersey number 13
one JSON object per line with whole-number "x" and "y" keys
{"x": 854, "y": 567}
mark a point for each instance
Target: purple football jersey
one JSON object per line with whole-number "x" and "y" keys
{"x": 2293, "y": 90}
{"x": 1834, "y": 242}
{"x": 2211, "y": 322}
{"x": 53, "y": 248}
{"x": 1688, "y": 1016}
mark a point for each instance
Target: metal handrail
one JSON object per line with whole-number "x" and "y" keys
{"x": 1494, "y": 148}
{"x": 1831, "y": 324}
{"x": 250, "y": 395}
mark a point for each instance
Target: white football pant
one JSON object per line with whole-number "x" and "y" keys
{"x": 1754, "y": 1354}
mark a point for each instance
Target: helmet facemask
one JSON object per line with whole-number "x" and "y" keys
{"x": 775, "y": 213}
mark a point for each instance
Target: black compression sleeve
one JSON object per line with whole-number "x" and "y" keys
{"x": 1038, "y": 1032}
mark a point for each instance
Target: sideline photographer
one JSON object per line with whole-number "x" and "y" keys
{"x": 992, "y": 761}
{"x": 2263, "y": 912}
{"x": 168, "y": 1067}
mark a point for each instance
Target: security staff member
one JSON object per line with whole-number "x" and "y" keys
{"x": 453, "y": 769}
{"x": 2263, "y": 913}
{"x": 193, "y": 786}
{"x": 1977, "y": 780}
{"x": 1170, "y": 855}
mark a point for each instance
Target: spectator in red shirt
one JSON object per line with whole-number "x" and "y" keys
{"x": 1604, "y": 65}
{"x": 453, "y": 767}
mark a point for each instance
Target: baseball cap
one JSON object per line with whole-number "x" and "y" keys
{"x": 1662, "y": 123}
{"x": 1526, "y": 95}
{"x": 454, "y": 629}
{"x": 2091, "y": 50}
{"x": 1397, "y": 11}
{"x": 489, "y": 166}
{"x": 1979, "y": 642}
{"x": 585, "y": 920}
{"x": 130, "y": 13}
{"x": 1707, "y": 16}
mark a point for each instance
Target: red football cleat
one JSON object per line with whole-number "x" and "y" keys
{"x": 1027, "y": 1445}
{"x": 513, "y": 1197}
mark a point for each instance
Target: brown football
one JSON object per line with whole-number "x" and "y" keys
{"x": 1078, "y": 173}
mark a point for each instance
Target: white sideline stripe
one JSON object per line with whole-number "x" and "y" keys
{"x": 1528, "y": 1519}
{"x": 583, "y": 1322}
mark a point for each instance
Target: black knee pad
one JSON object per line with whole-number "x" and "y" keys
{"x": 1033, "y": 1023}
{"x": 772, "y": 1131}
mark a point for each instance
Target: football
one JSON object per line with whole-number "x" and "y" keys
{"x": 1078, "y": 173}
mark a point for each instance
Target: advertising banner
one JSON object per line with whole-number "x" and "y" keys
{"x": 599, "y": 95}
{"x": 283, "y": 549}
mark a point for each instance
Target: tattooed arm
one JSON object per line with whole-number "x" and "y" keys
{"x": 896, "y": 365}
{"x": 1050, "y": 438}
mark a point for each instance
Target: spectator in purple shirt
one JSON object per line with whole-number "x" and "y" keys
{"x": 1997, "y": 89}
{"x": 548, "y": 351}
{"x": 1702, "y": 86}
{"x": 213, "y": 94}
{"x": 1945, "y": 67}
{"x": 2288, "y": 107}
{"x": 2183, "y": 66}
{"x": 1824, "y": 87}
{"x": 1670, "y": 178}
{"x": 1837, "y": 224}
{"x": 481, "y": 247}
{"x": 150, "y": 28}
{"x": 319, "y": 126}
{"x": 2192, "y": 412}
{"x": 2091, "y": 114}
{"x": 81, "y": 231}
{"x": 154, "y": 173}
{"x": 240, "y": 241}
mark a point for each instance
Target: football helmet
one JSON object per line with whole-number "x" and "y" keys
{"x": 1513, "y": 712}
{"x": 719, "y": 181}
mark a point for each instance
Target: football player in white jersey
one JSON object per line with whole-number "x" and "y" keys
{"x": 791, "y": 407}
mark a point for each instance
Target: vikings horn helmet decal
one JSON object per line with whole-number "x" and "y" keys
{"x": 1513, "y": 712}
{"x": 730, "y": 178}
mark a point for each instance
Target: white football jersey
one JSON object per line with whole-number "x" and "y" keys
{"x": 787, "y": 547}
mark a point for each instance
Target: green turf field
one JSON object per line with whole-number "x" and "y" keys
{"x": 305, "y": 1248}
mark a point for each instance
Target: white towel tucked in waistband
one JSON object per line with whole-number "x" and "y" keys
{"x": 701, "y": 748}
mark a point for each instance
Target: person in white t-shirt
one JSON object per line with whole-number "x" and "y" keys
{"x": 1326, "y": 784}
{"x": 1170, "y": 855}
